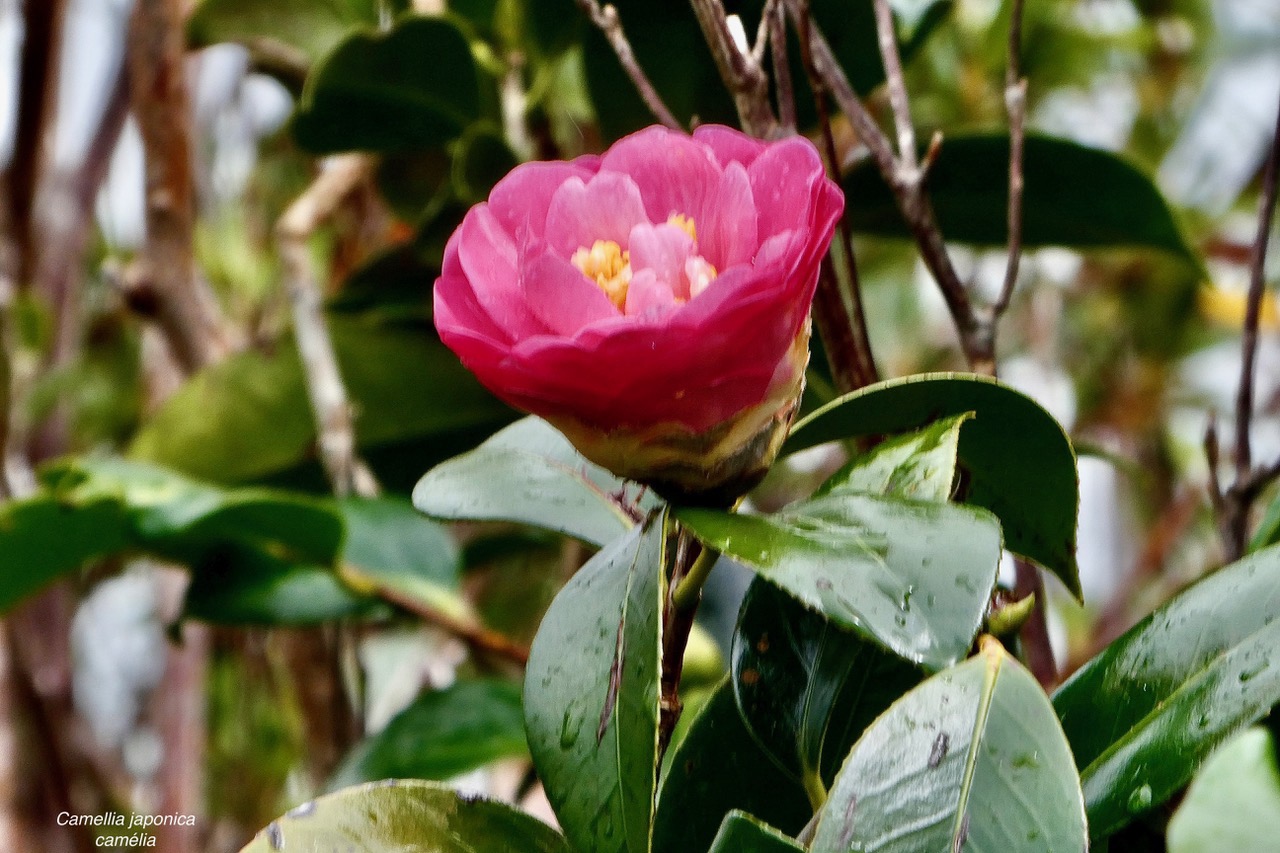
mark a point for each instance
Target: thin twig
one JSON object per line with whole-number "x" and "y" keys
{"x": 784, "y": 92}
{"x": 606, "y": 18}
{"x": 477, "y": 637}
{"x": 1015, "y": 102}
{"x": 887, "y": 35}
{"x": 678, "y": 615}
{"x": 183, "y": 310}
{"x": 1232, "y": 505}
{"x": 743, "y": 76}
{"x": 838, "y": 311}
{"x": 329, "y": 402}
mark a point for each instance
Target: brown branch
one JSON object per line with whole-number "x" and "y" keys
{"x": 1034, "y": 634}
{"x": 841, "y": 321}
{"x": 606, "y": 18}
{"x": 1015, "y": 102}
{"x": 477, "y": 637}
{"x": 742, "y": 74}
{"x": 1232, "y": 505}
{"x": 887, "y": 37}
{"x": 161, "y": 104}
{"x": 329, "y": 402}
{"x": 677, "y": 622}
{"x": 784, "y": 91}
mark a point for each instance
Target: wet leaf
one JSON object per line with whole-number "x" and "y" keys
{"x": 411, "y": 815}
{"x": 1020, "y": 463}
{"x": 1144, "y": 714}
{"x": 742, "y": 833}
{"x": 1234, "y": 802}
{"x": 972, "y": 759}
{"x": 912, "y": 576}
{"x": 591, "y": 695}
{"x": 716, "y": 769}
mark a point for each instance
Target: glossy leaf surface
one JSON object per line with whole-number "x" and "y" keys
{"x": 1143, "y": 714}
{"x": 442, "y": 734}
{"x": 805, "y": 688}
{"x": 741, "y": 833}
{"x": 591, "y": 695}
{"x": 411, "y": 815}
{"x": 531, "y": 474}
{"x": 912, "y": 576}
{"x": 716, "y": 769}
{"x": 968, "y": 185}
{"x": 1020, "y": 464}
{"x": 390, "y": 545}
{"x": 919, "y": 465}
{"x": 973, "y": 759}
{"x": 402, "y": 101}
{"x": 248, "y": 418}
{"x": 1234, "y": 802}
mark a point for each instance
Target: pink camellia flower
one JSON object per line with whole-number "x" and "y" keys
{"x": 652, "y": 302}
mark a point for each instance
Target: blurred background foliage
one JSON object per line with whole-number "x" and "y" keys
{"x": 1149, "y": 120}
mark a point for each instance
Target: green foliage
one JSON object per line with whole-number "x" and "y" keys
{"x": 969, "y": 188}
{"x": 741, "y": 833}
{"x": 1036, "y": 503}
{"x": 408, "y": 815}
{"x": 443, "y": 734}
{"x": 402, "y": 101}
{"x": 309, "y": 27}
{"x": 591, "y": 694}
{"x": 1234, "y": 802}
{"x": 1144, "y": 714}
{"x": 979, "y": 762}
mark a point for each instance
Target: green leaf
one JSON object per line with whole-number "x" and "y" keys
{"x": 742, "y": 833}
{"x": 248, "y": 417}
{"x": 309, "y": 27}
{"x": 415, "y": 86}
{"x": 969, "y": 183}
{"x": 920, "y": 465}
{"x": 1143, "y": 714}
{"x": 912, "y": 576}
{"x": 443, "y": 734}
{"x": 234, "y": 583}
{"x": 971, "y": 759}
{"x": 482, "y": 159}
{"x": 806, "y": 689}
{"x": 528, "y": 473}
{"x": 1234, "y": 802}
{"x": 1020, "y": 463}
{"x": 421, "y": 816}
{"x": 389, "y": 545}
{"x": 717, "y": 768}
{"x": 42, "y": 537}
{"x": 591, "y": 694}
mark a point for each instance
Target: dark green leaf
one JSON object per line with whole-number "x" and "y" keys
{"x": 971, "y": 759}
{"x": 481, "y": 160}
{"x": 591, "y": 694}
{"x": 1143, "y": 714}
{"x": 969, "y": 182}
{"x": 1234, "y": 802}
{"x": 805, "y": 688}
{"x": 421, "y": 816}
{"x": 441, "y": 735}
{"x": 248, "y": 417}
{"x": 390, "y": 545}
{"x": 233, "y": 583}
{"x": 531, "y": 474}
{"x": 1019, "y": 462}
{"x": 742, "y": 833}
{"x": 912, "y": 576}
{"x": 415, "y": 86}
{"x": 714, "y": 770}
{"x": 309, "y": 27}
{"x": 42, "y": 537}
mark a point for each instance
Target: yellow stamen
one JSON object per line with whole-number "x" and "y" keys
{"x": 608, "y": 266}
{"x": 685, "y": 224}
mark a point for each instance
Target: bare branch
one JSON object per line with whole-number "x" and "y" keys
{"x": 887, "y": 35}
{"x": 607, "y": 20}
{"x": 1015, "y": 102}
{"x": 334, "y": 427}
{"x": 743, "y": 76}
{"x": 784, "y": 92}
{"x": 162, "y": 107}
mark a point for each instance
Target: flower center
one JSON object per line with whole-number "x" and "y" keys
{"x": 609, "y": 265}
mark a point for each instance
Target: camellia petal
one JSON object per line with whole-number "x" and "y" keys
{"x": 652, "y": 303}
